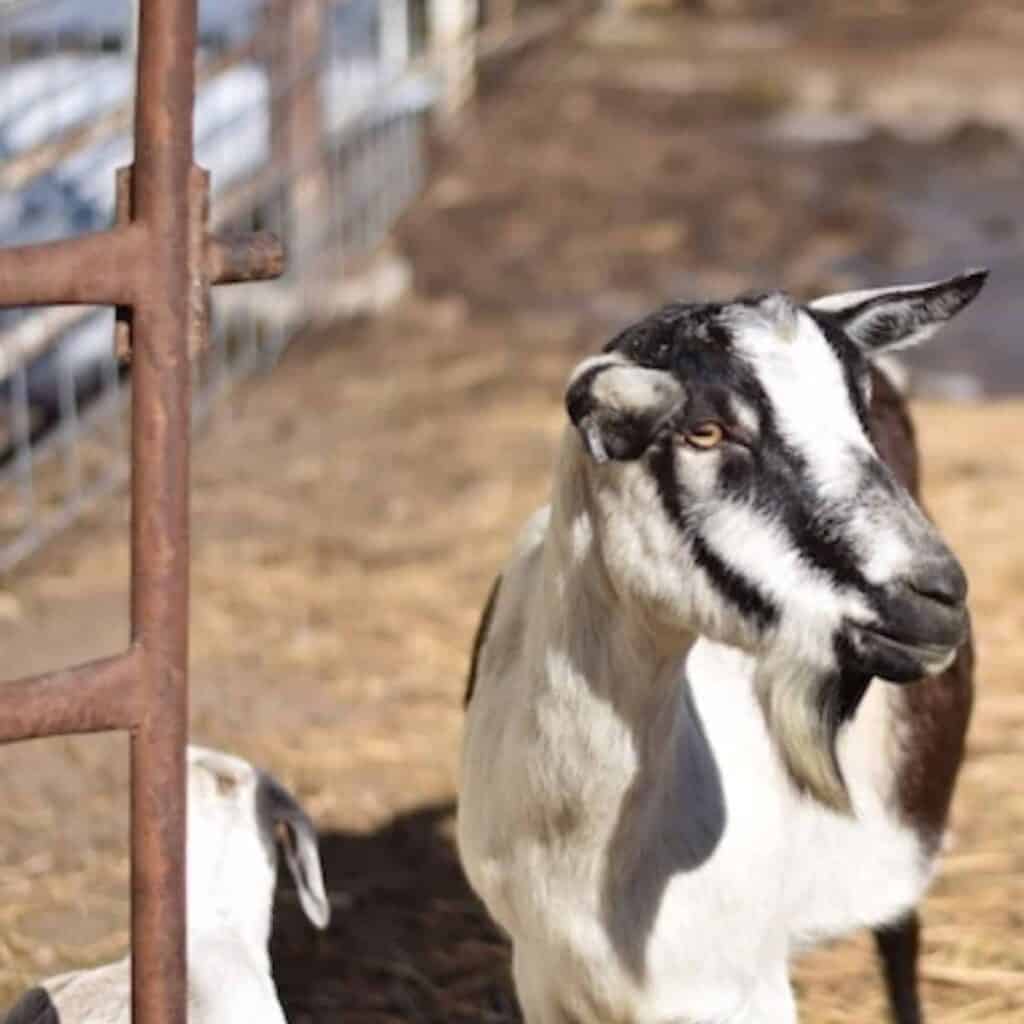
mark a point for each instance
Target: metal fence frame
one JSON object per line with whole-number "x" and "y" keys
{"x": 156, "y": 266}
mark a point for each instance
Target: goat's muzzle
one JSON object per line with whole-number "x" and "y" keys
{"x": 921, "y": 622}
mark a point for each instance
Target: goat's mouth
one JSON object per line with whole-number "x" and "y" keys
{"x": 901, "y": 659}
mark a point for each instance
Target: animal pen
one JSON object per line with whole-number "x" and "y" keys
{"x": 318, "y": 143}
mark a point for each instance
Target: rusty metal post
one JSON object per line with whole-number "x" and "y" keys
{"x": 156, "y": 265}
{"x": 295, "y": 34}
{"x": 160, "y": 330}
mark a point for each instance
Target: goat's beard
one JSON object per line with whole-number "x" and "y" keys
{"x": 804, "y": 707}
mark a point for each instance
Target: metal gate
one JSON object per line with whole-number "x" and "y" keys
{"x": 156, "y": 266}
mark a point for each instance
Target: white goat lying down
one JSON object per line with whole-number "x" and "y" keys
{"x": 676, "y": 771}
{"x": 234, "y": 813}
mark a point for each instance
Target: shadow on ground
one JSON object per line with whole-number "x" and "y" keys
{"x": 408, "y": 941}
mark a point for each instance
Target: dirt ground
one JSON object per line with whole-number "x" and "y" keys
{"x": 351, "y": 508}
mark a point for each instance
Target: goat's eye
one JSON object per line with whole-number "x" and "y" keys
{"x": 705, "y": 435}
{"x": 225, "y": 783}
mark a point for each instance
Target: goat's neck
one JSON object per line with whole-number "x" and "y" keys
{"x": 237, "y": 909}
{"x": 596, "y": 638}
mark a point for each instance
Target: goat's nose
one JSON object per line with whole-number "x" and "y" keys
{"x": 942, "y": 580}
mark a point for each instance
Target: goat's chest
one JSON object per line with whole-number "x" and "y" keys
{"x": 686, "y": 880}
{"x": 812, "y": 873}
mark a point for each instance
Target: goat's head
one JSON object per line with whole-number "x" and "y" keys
{"x": 736, "y": 493}
{"x": 237, "y": 815}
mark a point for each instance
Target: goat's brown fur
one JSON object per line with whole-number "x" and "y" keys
{"x": 937, "y": 709}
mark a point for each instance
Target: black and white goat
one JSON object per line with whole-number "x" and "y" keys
{"x": 676, "y": 772}
{"x": 236, "y": 814}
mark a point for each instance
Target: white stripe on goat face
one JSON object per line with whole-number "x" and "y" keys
{"x": 805, "y": 382}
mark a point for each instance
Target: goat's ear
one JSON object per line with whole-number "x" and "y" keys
{"x": 619, "y": 407}
{"x": 883, "y": 319}
{"x": 223, "y": 772}
{"x": 286, "y": 820}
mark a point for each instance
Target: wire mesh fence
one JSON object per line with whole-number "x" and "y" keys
{"x": 310, "y": 116}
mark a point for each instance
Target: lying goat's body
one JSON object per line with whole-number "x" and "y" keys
{"x": 225, "y": 984}
{"x": 627, "y": 819}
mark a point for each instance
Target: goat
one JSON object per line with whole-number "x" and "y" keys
{"x": 234, "y": 813}
{"x": 676, "y": 772}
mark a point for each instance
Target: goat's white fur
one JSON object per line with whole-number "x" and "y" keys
{"x": 625, "y": 808}
{"x": 549, "y": 818}
{"x": 232, "y": 865}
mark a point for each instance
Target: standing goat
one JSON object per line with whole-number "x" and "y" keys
{"x": 676, "y": 772}
{"x": 235, "y": 814}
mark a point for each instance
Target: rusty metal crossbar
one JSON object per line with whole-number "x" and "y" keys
{"x": 156, "y": 265}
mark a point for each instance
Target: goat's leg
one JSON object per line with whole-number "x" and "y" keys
{"x": 897, "y": 946}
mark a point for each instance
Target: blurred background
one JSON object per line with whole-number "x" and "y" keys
{"x": 473, "y": 195}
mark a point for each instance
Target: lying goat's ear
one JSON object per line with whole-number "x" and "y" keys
{"x": 619, "y": 407}
{"x": 890, "y": 318}
{"x": 290, "y": 825}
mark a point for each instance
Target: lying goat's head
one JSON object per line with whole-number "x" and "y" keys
{"x": 237, "y": 817}
{"x": 737, "y": 493}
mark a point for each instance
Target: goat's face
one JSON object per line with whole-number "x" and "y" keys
{"x": 237, "y": 815}
{"x": 737, "y": 494}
